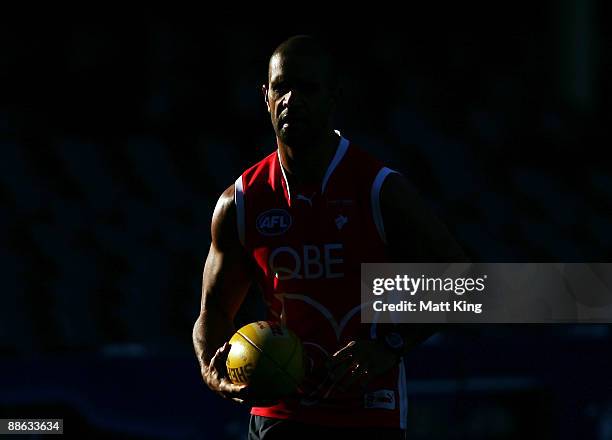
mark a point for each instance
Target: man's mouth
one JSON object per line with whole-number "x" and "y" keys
{"x": 291, "y": 120}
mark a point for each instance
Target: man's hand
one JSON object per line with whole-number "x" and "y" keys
{"x": 217, "y": 379}
{"x": 359, "y": 362}
{"x": 215, "y": 376}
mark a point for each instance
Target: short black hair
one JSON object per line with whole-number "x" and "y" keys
{"x": 309, "y": 46}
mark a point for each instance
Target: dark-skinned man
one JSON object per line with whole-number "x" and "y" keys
{"x": 340, "y": 207}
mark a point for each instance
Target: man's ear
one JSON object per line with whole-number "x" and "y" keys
{"x": 264, "y": 90}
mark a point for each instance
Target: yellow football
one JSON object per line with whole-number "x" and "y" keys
{"x": 268, "y": 357}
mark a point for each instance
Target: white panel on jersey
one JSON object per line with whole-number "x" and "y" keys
{"x": 280, "y": 162}
{"x": 403, "y": 393}
{"x": 340, "y": 152}
{"x": 376, "y": 211}
{"x": 240, "y": 214}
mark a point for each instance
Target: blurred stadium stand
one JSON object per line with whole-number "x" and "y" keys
{"x": 117, "y": 138}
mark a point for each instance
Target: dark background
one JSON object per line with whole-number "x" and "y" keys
{"x": 118, "y": 132}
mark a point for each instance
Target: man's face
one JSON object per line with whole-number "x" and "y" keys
{"x": 299, "y": 98}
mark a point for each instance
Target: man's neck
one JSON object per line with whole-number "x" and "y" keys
{"x": 308, "y": 164}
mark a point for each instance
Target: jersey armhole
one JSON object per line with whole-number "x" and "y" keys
{"x": 375, "y": 196}
{"x": 240, "y": 214}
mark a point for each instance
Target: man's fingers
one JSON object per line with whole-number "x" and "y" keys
{"x": 218, "y": 360}
{"x": 355, "y": 374}
{"x": 341, "y": 356}
{"x": 229, "y": 388}
{"x": 224, "y": 350}
{"x": 231, "y": 391}
{"x": 215, "y": 359}
{"x": 345, "y": 350}
{"x": 341, "y": 380}
{"x": 341, "y": 377}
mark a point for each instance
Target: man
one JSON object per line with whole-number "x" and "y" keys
{"x": 335, "y": 207}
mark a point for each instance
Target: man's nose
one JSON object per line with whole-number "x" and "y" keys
{"x": 287, "y": 98}
{"x": 291, "y": 98}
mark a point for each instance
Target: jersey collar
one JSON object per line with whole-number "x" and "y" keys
{"x": 340, "y": 153}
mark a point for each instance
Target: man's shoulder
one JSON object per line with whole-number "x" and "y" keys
{"x": 262, "y": 168}
{"x": 360, "y": 165}
{"x": 359, "y": 154}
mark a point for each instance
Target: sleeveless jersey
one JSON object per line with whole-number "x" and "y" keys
{"x": 308, "y": 247}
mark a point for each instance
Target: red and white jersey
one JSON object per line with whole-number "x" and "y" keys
{"x": 309, "y": 244}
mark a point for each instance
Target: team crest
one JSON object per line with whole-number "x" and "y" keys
{"x": 273, "y": 222}
{"x": 341, "y": 220}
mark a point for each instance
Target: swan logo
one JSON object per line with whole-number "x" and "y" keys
{"x": 337, "y": 326}
{"x": 273, "y": 222}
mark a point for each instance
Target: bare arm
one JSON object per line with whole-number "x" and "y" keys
{"x": 415, "y": 234}
{"x": 227, "y": 276}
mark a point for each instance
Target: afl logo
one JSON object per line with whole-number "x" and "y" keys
{"x": 273, "y": 222}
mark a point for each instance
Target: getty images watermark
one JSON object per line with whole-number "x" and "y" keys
{"x": 486, "y": 292}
